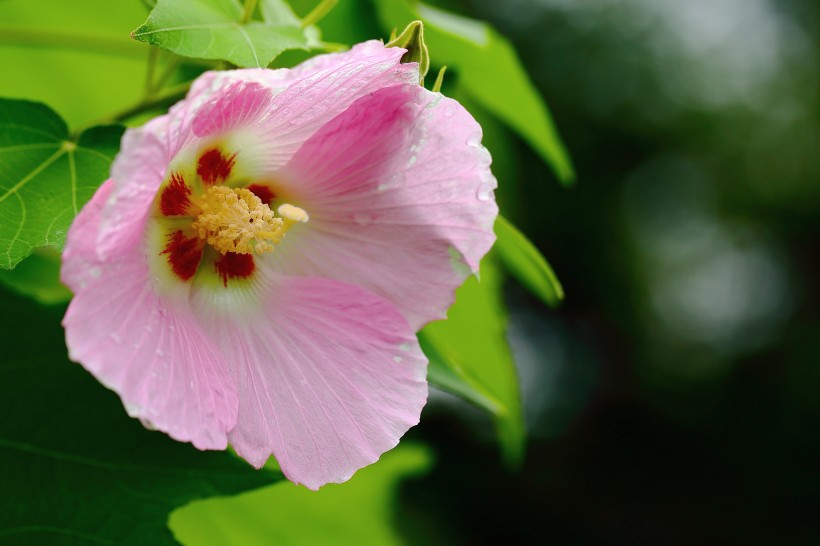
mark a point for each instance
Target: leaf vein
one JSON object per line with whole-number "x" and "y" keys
{"x": 26, "y": 179}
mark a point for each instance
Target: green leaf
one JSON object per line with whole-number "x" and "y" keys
{"x": 74, "y": 468}
{"x": 45, "y": 176}
{"x": 491, "y": 72}
{"x": 357, "y": 512}
{"x": 213, "y": 29}
{"x": 447, "y": 372}
{"x": 469, "y": 356}
{"x": 523, "y": 260}
{"x": 38, "y": 277}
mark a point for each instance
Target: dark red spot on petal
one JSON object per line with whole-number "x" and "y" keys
{"x": 184, "y": 254}
{"x": 234, "y": 266}
{"x": 264, "y": 193}
{"x": 214, "y": 166}
{"x": 176, "y": 197}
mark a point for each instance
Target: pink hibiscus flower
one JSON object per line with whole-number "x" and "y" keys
{"x": 256, "y": 268}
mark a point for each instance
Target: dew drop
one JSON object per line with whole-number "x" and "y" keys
{"x": 95, "y": 272}
{"x": 404, "y": 346}
{"x": 485, "y": 192}
{"x": 396, "y": 359}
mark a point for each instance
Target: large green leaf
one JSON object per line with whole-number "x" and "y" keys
{"x": 469, "y": 355}
{"x": 45, "y": 176}
{"x": 490, "y": 72}
{"x": 357, "y": 512}
{"x": 215, "y": 29}
{"x": 38, "y": 277}
{"x": 523, "y": 260}
{"x": 74, "y": 468}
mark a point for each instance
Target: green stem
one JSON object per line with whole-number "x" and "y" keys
{"x": 160, "y": 100}
{"x": 19, "y": 36}
{"x": 149, "y": 72}
{"x": 170, "y": 68}
{"x": 165, "y": 98}
{"x": 317, "y": 13}
{"x": 250, "y": 6}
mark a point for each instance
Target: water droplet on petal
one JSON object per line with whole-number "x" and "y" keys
{"x": 396, "y": 359}
{"x": 95, "y": 272}
{"x": 484, "y": 192}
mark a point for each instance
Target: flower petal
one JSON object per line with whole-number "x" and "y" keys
{"x": 237, "y": 105}
{"x": 80, "y": 263}
{"x": 329, "y": 376}
{"x": 399, "y": 193}
{"x": 145, "y": 346}
{"x": 306, "y": 97}
{"x": 137, "y": 173}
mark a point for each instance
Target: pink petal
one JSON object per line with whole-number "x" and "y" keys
{"x": 399, "y": 193}
{"x": 137, "y": 174}
{"x": 145, "y": 346}
{"x": 306, "y": 97}
{"x": 238, "y": 104}
{"x": 80, "y": 259}
{"x": 329, "y": 376}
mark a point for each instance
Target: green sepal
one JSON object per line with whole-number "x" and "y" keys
{"x": 412, "y": 39}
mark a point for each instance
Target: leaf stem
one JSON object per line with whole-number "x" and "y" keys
{"x": 170, "y": 68}
{"x": 247, "y": 14}
{"x": 20, "y": 36}
{"x": 153, "y": 51}
{"x": 165, "y": 98}
{"x": 317, "y": 13}
{"x": 168, "y": 96}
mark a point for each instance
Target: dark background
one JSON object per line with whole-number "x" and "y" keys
{"x": 675, "y": 397}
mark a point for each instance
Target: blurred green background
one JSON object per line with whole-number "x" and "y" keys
{"x": 674, "y": 397}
